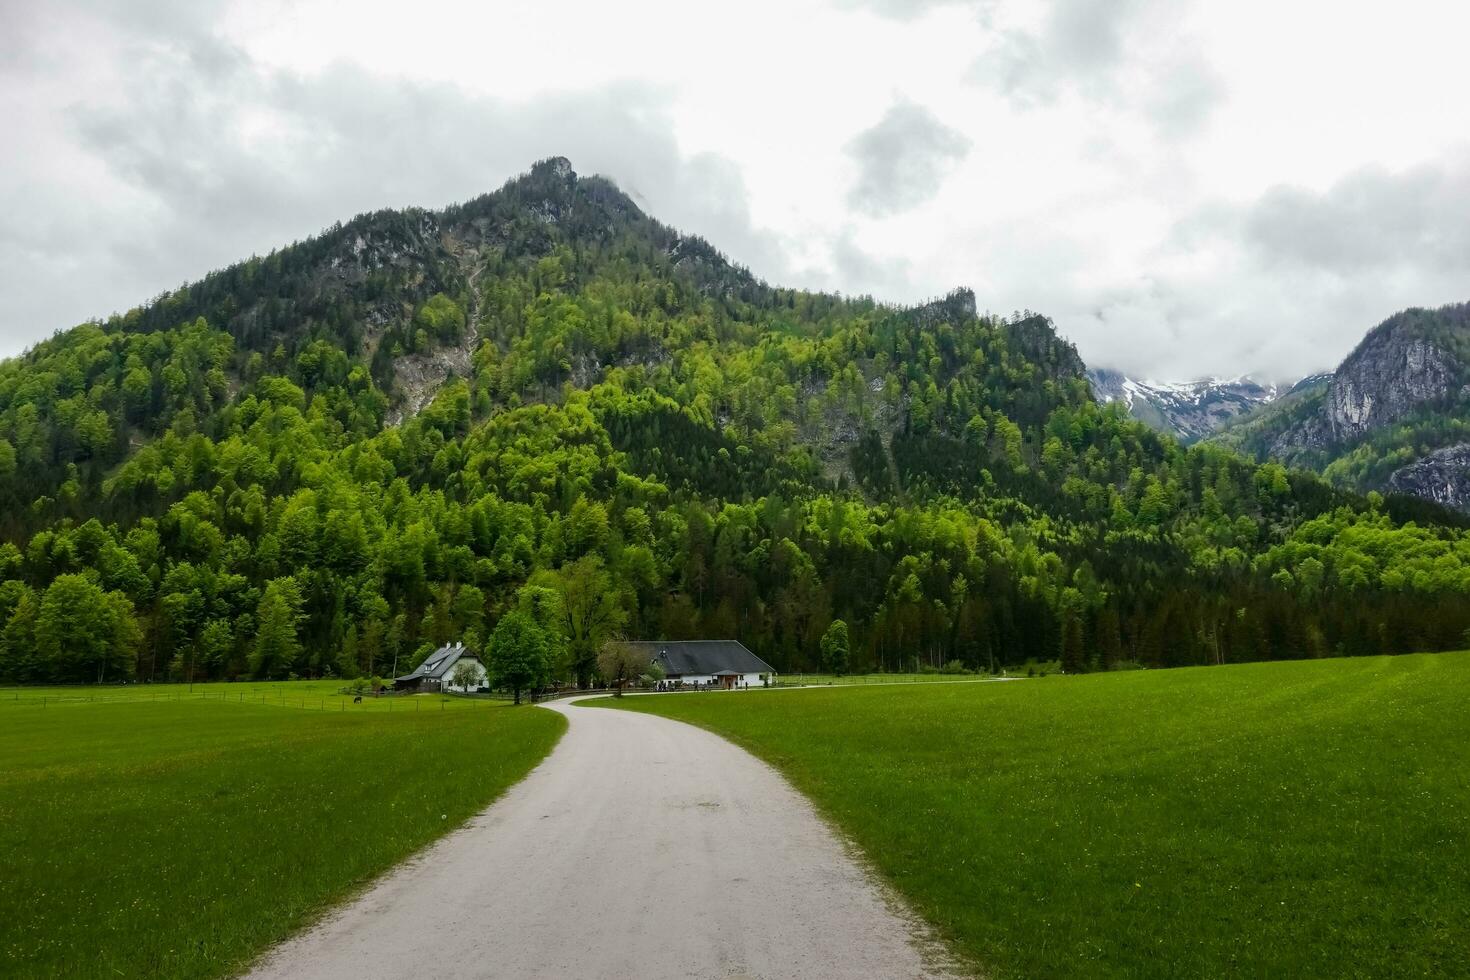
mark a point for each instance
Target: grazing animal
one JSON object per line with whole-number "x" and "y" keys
{"x": 357, "y": 700}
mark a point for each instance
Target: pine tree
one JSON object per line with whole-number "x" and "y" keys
{"x": 276, "y": 644}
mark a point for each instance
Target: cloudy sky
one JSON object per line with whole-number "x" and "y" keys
{"x": 1187, "y": 188}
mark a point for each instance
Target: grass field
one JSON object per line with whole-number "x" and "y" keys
{"x": 865, "y": 680}
{"x": 1284, "y": 820}
{"x": 321, "y": 695}
{"x": 170, "y": 838}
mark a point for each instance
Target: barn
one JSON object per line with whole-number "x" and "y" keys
{"x": 725, "y": 663}
{"x": 436, "y": 673}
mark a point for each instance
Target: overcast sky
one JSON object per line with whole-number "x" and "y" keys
{"x": 1186, "y": 188}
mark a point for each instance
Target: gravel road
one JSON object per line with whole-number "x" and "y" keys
{"x": 640, "y": 848}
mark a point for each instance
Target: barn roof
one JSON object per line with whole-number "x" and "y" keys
{"x": 437, "y": 665}
{"x": 680, "y": 658}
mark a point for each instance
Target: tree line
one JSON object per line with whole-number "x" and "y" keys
{"x": 649, "y": 443}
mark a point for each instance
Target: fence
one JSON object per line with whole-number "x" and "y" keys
{"x": 300, "y": 700}
{"x": 326, "y": 696}
{"x": 835, "y": 680}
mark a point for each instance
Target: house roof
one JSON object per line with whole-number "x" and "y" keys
{"x": 680, "y": 658}
{"x": 437, "y": 665}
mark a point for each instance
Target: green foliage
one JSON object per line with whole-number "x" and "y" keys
{"x": 594, "y": 611}
{"x": 1137, "y": 824}
{"x": 835, "y": 652}
{"x": 441, "y": 318}
{"x": 518, "y": 656}
{"x": 647, "y": 441}
{"x": 276, "y": 646}
{"x": 89, "y": 634}
{"x": 619, "y": 664}
{"x": 464, "y": 675}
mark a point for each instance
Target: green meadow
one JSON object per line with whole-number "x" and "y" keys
{"x": 1284, "y": 819}
{"x": 318, "y": 695}
{"x": 162, "y": 833}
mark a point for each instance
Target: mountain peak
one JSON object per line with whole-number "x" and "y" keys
{"x": 955, "y": 306}
{"x": 553, "y": 167}
{"x": 1189, "y": 410}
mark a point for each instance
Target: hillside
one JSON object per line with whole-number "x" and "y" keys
{"x": 1189, "y": 410}
{"x": 1395, "y": 416}
{"x": 329, "y": 459}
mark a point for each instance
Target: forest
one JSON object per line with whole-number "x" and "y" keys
{"x": 641, "y": 440}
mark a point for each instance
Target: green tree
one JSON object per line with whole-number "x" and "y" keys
{"x": 216, "y": 641}
{"x": 85, "y": 632}
{"x": 517, "y": 656}
{"x": 1073, "y": 654}
{"x": 277, "y": 617}
{"x": 835, "y": 652}
{"x": 19, "y": 662}
{"x": 592, "y": 612}
{"x": 464, "y": 675}
{"x": 543, "y": 605}
{"x": 619, "y": 663}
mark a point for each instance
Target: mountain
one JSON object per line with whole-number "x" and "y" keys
{"x": 1189, "y": 410}
{"x": 1394, "y": 416}
{"x": 542, "y": 413}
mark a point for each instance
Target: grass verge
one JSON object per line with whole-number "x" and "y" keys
{"x": 318, "y": 695}
{"x": 179, "y": 838}
{"x": 1284, "y": 819}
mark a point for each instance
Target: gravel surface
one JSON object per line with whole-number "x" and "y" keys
{"x": 640, "y": 848}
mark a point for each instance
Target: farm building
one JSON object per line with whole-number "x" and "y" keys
{"x": 727, "y": 663}
{"x": 437, "y": 672}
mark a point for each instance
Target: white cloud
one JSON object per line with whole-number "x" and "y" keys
{"x": 1187, "y": 188}
{"x": 902, "y": 158}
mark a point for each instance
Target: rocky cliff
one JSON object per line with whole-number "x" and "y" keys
{"x": 1392, "y": 372}
{"x": 1394, "y": 416}
{"x": 1443, "y": 477}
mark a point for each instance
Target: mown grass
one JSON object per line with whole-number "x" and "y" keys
{"x": 318, "y": 695}
{"x": 1283, "y": 820}
{"x": 865, "y": 680}
{"x": 176, "y": 838}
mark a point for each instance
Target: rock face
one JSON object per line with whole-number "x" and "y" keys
{"x": 1443, "y": 477}
{"x": 1407, "y": 364}
{"x": 1389, "y": 375}
{"x": 1035, "y": 338}
{"x": 1397, "y": 405}
{"x": 956, "y": 306}
{"x": 1188, "y": 410}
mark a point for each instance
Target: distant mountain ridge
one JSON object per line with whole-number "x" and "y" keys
{"x": 1394, "y": 416}
{"x": 1189, "y": 410}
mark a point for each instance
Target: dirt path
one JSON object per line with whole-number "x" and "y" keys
{"x": 640, "y": 848}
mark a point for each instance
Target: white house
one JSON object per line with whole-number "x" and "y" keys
{"x": 437, "y": 672}
{"x": 727, "y": 663}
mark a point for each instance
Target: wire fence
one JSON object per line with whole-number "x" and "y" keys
{"x": 305, "y": 701}
{"x": 326, "y": 696}
{"x": 838, "y": 680}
